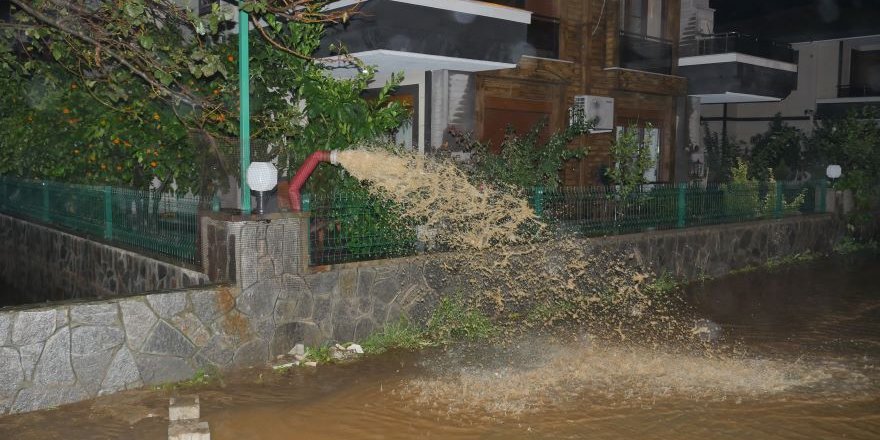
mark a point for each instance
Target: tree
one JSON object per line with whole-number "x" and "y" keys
{"x": 778, "y": 149}
{"x": 721, "y": 156}
{"x": 630, "y": 158}
{"x": 151, "y": 68}
{"x": 523, "y": 160}
{"x": 853, "y": 143}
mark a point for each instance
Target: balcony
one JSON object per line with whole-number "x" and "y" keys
{"x": 648, "y": 54}
{"x": 734, "y": 68}
{"x": 739, "y": 43}
{"x": 426, "y": 35}
{"x": 857, "y": 91}
{"x": 850, "y": 98}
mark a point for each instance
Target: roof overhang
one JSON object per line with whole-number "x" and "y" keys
{"x": 470, "y": 7}
{"x": 733, "y": 98}
{"x": 392, "y": 61}
{"x": 735, "y": 57}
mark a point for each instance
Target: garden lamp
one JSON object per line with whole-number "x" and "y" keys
{"x": 262, "y": 178}
{"x": 833, "y": 171}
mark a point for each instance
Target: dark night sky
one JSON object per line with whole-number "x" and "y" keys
{"x": 798, "y": 20}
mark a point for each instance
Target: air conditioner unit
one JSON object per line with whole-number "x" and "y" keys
{"x": 600, "y": 108}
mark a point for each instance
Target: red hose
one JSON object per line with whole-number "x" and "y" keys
{"x": 302, "y": 174}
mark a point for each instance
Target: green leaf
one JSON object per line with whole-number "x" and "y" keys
{"x": 133, "y": 9}
{"x": 146, "y": 41}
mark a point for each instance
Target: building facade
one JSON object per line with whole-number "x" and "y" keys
{"x": 481, "y": 66}
{"x": 793, "y": 64}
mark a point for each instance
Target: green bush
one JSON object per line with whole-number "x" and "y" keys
{"x": 400, "y": 335}
{"x": 453, "y": 320}
{"x": 523, "y": 160}
{"x": 631, "y": 158}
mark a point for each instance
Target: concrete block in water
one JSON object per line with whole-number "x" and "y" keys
{"x": 183, "y": 408}
{"x": 189, "y": 430}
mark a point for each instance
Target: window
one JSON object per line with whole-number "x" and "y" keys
{"x": 865, "y": 73}
{"x": 543, "y": 36}
{"x": 642, "y": 43}
{"x": 642, "y": 17}
{"x": 543, "y": 32}
{"x": 650, "y": 138}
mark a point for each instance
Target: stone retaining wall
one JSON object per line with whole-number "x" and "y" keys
{"x": 73, "y": 351}
{"x": 47, "y": 264}
{"x": 716, "y": 250}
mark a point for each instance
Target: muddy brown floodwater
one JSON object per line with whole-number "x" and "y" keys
{"x": 802, "y": 362}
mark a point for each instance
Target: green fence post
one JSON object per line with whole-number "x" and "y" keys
{"x": 682, "y": 209}
{"x": 822, "y": 188}
{"x": 538, "y": 200}
{"x": 215, "y": 203}
{"x": 306, "y": 202}
{"x": 777, "y": 210}
{"x": 45, "y": 202}
{"x": 5, "y": 193}
{"x": 108, "y": 213}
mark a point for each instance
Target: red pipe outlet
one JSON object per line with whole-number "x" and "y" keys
{"x": 303, "y": 173}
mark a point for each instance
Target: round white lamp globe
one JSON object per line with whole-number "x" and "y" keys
{"x": 833, "y": 171}
{"x": 262, "y": 176}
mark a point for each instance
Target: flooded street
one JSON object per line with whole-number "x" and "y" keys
{"x": 800, "y": 361}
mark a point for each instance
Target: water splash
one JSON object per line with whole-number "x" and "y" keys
{"x": 642, "y": 344}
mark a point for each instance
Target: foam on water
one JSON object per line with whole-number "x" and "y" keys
{"x": 624, "y": 375}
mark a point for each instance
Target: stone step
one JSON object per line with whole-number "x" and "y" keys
{"x": 189, "y": 430}
{"x": 183, "y": 408}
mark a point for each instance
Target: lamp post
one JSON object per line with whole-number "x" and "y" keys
{"x": 832, "y": 172}
{"x": 262, "y": 177}
{"x": 244, "y": 112}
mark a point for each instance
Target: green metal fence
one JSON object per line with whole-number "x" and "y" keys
{"x": 356, "y": 227}
{"x": 598, "y": 211}
{"x": 141, "y": 220}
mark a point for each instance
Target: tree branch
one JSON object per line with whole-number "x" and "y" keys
{"x": 112, "y": 53}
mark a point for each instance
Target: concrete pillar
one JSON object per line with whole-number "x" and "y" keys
{"x": 242, "y": 250}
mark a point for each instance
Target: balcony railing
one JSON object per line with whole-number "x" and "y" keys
{"x": 740, "y": 43}
{"x": 856, "y": 91}
{"x": 649, "y": 54}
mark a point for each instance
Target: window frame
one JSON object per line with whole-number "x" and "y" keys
{"x": 644, "y": 25}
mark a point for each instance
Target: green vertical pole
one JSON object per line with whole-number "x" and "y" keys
{"x": 108, "y": 213}
{"x": 46, "y": 202}
{"x": 822, "y": 188}
{"x": 306, "y": 202}
{"x": 538, "y": 200}
{"x": 215, "y": 203}
{"x": 682, "y": 209}
{"x": 777, "y": 210}
{"x": 244, "y": 109}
